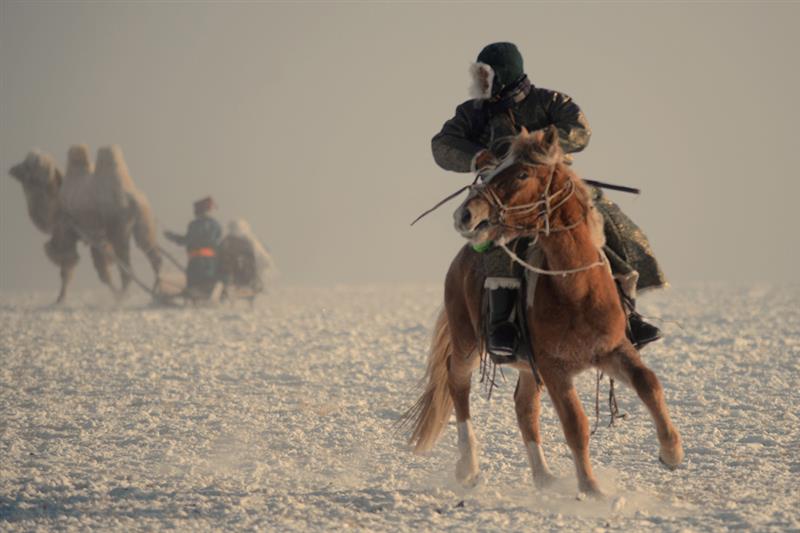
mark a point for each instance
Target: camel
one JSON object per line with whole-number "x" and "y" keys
{"x": 99, "y": 206}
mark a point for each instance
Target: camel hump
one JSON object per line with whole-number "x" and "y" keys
{"x": 79, "y": 164}
{"x": 111, "y": 167}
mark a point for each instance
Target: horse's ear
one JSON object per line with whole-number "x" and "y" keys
{"x": 551, "y": 136}
{"x": 537, "y": 137}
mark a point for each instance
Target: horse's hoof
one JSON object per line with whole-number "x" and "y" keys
{"x": 470, "y": 482}
{"x": 591, "y": 490}
{"x": 669, "y": 465}
{"x": 618, "y": 504}
{"x": 467, "y": 474}
{"x": 596, "y": 495}
{"x": 671, "y": 456}
{"x": 544, "y": 480}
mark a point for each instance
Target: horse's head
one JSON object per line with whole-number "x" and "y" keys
{"x": 509, "y": 202}
{"x": 41, "y": 180}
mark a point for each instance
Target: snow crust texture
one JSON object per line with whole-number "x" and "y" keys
{"x": 281, "y": 418}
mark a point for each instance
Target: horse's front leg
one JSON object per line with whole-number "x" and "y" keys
{"x": 459, "y": 377}
{"x": 575, "y": 426}
{"x": 527, "y": 398}
{"x": 624, "y": 363}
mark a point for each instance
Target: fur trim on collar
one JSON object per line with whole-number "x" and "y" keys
{"x": 482, "y": 76}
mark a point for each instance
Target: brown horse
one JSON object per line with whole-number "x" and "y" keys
{"x": 100, "y": 206}
{"x": 574, "y": 314}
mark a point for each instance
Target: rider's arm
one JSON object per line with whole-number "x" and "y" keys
{"x": 455, "y": 147}
{"x": 572, "y": 125}
{"x": 174, "y": 237}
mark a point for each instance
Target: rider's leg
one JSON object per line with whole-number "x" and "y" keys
{"x": 630, "y": 256}
{"x": 639, "y": 332}
{"x": 502, "y": 289}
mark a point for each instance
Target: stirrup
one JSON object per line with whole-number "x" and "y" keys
{"x": 502, "y": 334}
{"x": 502, "y": 343}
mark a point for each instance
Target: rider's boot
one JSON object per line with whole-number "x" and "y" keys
{"x": 503, "y": 334}
{"x": 639, "y": 332}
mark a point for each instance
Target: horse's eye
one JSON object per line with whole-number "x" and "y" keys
{"x": 522, "y": 176}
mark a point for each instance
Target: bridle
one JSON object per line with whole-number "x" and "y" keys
{"x": 543, "y": 210}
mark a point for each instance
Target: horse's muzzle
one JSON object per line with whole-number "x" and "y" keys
{"x": 467, "y": 224}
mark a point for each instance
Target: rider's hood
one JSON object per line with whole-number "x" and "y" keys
{"x": 498, "y": 66}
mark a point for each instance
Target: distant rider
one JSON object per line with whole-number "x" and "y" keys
{"x": 478, "y": 136}
{"x": 243, "y": 259}
{"x": 201, "y": 241}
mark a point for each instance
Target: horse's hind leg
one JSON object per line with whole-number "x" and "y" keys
{"x": 459, "y": 377}
{"x": 575, "y": 426}
{"x": 527, "y": 398}
{"x": 624, "y": 363}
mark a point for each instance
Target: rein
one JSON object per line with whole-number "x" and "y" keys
{"x": 546, "y": 203}
{"x": 514, "y": 257}
{"x": 546, "y": 208}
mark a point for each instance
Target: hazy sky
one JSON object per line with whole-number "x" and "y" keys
{"x": 314, "y": 122}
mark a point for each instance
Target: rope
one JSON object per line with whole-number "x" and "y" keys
{"x": 532, "y": 268}
{"x": 171, "y": 258}
{"x": 122, "y": 266}
{"x": 613, "y": 408}
{"x": 597, "y": 401}
{"x": 612, "y": 404}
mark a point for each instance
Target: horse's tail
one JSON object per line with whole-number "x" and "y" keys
{"x": 430, "y": 413}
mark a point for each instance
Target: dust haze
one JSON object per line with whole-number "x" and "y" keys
{"x": 313, "y": 122}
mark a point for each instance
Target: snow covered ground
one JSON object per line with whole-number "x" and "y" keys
{"x": 281, "y": 418}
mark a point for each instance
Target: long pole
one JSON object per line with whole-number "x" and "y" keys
{"x": 120, "y": 264}
{"x": 171, "y": 258}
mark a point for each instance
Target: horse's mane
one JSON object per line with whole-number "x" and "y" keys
{"x": 544, "y": 148}
{"x": 537, "y": 148}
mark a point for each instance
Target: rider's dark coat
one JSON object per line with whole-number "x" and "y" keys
{"x": 204, "y": 232}
{"x": 479, "y": 124}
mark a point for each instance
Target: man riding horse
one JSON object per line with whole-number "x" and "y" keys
{"x": 475, "y": 140}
